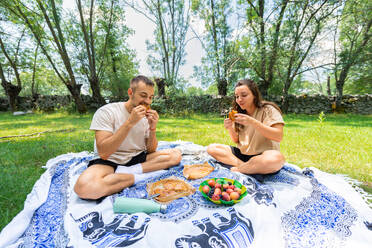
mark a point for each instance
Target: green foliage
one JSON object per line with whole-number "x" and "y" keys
{"x": 194, "y": 91}
{"x": 115, "y": 61}
{"x": 212, "y": 90}
{"x": 181, "y": 104}
{"x": 321, "y": 119}
{"x": 360, "y": 74}
{"x": 354, "y": 56}
{"x": 46, "y": 83}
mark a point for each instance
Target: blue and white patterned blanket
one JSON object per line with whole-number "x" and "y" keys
{"x": 293, "y": 208}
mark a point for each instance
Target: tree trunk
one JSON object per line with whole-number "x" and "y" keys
{"x": 340, "y": 88}
{"x": 263, "y": 86}
{"x": 222, "y": 87}
{"x": 94, "y": 85}
{"x": 329, "y": 86}
{"x": 75, "y": 93}
{"x": 160, "y": 83}
{"x": 285, "y": 103}
{"x": 12, "y": 92}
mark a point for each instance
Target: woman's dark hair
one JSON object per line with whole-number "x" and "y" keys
{"x": 258, "y": 101}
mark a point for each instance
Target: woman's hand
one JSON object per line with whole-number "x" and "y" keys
{"x": 244, "y": 119}
{"x": 228, "y": 124}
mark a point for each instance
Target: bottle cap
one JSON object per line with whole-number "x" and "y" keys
{"x": 163, "y": 208}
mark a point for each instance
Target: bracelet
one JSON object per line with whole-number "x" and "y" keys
{"x": 152, "y": 130}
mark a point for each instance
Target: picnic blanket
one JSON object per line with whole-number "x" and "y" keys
{"x": 292, "y": 208}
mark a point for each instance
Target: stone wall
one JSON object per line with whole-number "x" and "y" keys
{"x": 306, "y": 104}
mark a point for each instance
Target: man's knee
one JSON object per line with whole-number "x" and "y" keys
{"x": 86, "y": 187}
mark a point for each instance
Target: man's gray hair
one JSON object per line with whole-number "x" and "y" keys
{"x": 134, "y": 82}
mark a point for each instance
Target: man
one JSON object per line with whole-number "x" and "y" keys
{"x": 125, "y": 144}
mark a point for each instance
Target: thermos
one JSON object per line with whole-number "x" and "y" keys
{"x": 135, "y": 205}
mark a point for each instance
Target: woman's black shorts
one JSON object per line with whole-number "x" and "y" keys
{"x": 239, "y": 155}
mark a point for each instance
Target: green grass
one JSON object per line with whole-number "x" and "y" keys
{"x": 339, "y": 144}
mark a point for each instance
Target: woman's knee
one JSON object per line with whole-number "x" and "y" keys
{"x": 275, "y": 159}
{"x": 212, "y": 149}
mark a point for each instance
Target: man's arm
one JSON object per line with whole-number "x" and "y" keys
{"x": 151, "y": 141}
{"x": 108, "y": 143}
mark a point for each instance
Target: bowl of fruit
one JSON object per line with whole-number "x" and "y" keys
{"x": 223, "y": 191}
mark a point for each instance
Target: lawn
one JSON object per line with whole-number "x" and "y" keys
{"x": 337, "y": 144}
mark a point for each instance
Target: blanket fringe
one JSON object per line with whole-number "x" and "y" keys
{"x": 367, "y": 197}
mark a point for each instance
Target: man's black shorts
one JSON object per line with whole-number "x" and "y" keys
{"x": 239, "y": 155}
{"x": 140, "y": 158}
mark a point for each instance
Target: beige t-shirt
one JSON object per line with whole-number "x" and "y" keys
{"x": 111, "y": 117}
{"x": 251, "y": 141}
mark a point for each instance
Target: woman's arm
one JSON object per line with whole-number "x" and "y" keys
{"x": 234, "y": 136}
{"x": 273, "y": 132}
{"x": 229, "y": 126}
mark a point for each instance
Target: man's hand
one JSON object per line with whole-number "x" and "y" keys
{"x": 153, "y": 118}
{"x": 137, "y": 114}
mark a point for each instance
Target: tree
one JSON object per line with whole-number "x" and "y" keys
{"x": 261, "y": 47}
{"x": 36, "y": 14}
{"x": 355, "y": 37}
{"x": 11, "y": 55}
{"x": 89, "y": 37}
{"x": 216, "y": 42}
{"x": 280, "y": 36}
{"x": 120, "y": 68}
{"x": 304, "y": 23}
{"x": 171, "y": 19}
{"x": 103, "y": 60}
{"x": 360, "y": 76}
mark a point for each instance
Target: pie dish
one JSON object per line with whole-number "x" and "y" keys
{"x": 196, "y": 171}
{"x": 170, "y": 189}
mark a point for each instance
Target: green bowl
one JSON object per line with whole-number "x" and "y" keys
{"x": 224, "y": 180}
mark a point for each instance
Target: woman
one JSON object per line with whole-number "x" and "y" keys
{"x": 257, "y": 130}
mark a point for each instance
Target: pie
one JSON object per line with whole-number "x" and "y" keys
{"x": 146, "y": 106}
{"x": 232, "y": 115}
{"x": 196, "y": 171}
{"x": 170, "y": 189}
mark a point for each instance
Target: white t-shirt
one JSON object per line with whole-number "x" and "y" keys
{"x": 111, "y": 117}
